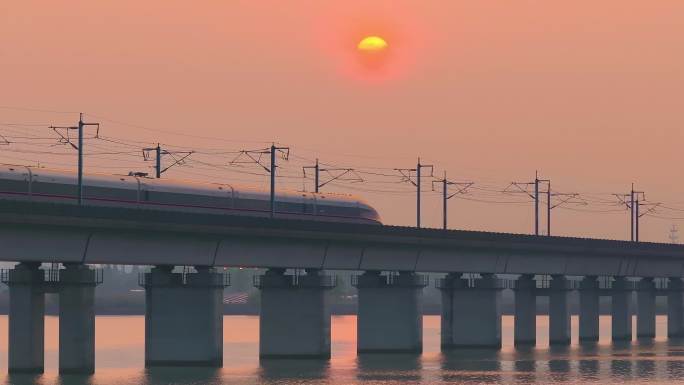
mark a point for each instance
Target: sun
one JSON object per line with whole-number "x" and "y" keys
{"x": 372, "y": 44}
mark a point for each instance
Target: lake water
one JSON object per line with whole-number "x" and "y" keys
{"x": 120, "y": 359}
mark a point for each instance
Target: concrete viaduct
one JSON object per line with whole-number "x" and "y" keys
{"x": 183, "y": 320}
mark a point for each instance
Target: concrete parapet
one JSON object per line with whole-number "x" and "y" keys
{"x": 295, "y": 314}
{"x": 390, "y": 317}
{"x": 184, "y": 317}
{"x": 471, "y": 311}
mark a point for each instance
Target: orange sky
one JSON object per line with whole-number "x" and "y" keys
{"x": 588, "y": 92}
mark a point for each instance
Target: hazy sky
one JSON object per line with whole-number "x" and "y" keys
{"x": 588, "y": 92}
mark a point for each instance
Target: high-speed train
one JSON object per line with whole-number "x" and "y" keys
{"x": 38, "y": 184}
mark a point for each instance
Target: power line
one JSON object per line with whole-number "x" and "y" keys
{"x": 178, "y": 157}
{"x": 37, "y": 110}
{"x": 461, "y": 188}
{"x": 170, "y": 132}
{"x": 27, "y": 138}
{"x": 79, "y": 128}
{"x": 522, "y": 187}
{"x": 408, "y": 175}
{"x": 333, "y": 174}
{"x": 631, "y": 201}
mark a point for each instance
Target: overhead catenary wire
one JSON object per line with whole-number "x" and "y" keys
{"x": 115, "y": 153}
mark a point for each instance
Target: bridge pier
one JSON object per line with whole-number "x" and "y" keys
{"x": 675, "y": 308}
{"x": 646, "y": 312}
{"x": 621, "y": 319}
{"x": 525, "y": 322}
{"x": 295, "y": 314}
{"x": 77, "y": 319}
{"x": 559, "y": 311}
{"x": 183, "y": 317}
{"x": 589, "y": 309}
{"x": 471, "y": 312}
{"x": 390, "y": 318}
{"x": 26, "y": 318}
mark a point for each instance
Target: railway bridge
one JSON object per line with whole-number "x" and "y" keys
{"x": 183, "y": 320}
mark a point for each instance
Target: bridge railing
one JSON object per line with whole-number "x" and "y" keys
{"x": 418, "y": 279}
{"x": 662, "y": 284}
{"x": 295, "y": 280}
{"x": 186, "y": 275}
{"x": 474, "y": 282}
{"x": 396, "y": 279}
{"x": 52, "y": 277}
{"x": 544, "y": 282}
{"x": 608, "y": 283}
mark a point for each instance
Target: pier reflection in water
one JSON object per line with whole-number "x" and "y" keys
{"x": 120, "y": 357}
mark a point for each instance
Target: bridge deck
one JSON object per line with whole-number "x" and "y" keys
{"x": 52, "y": 232}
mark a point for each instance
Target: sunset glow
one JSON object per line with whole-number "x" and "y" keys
{"x": 372, "y": 44}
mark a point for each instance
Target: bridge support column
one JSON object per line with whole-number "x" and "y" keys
{"x": 525, "y": 322}
{"x": 646, "y": 312}
{"x": 77, "y": 319}
{"x": 621, "y": 314}
{"x": 589, "y": 309}
{"x": 471, "y": 312}
{"x": 26, "y": 318}
{"x": 675, "y": 309}
{"x": 390, "y": 318}
{"x": 559, "y": 311}
{"x": 183, "y": 317}
{"x": 295, "y": 314}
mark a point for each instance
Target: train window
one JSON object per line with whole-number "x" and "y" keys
{"x": 57, "y": 189}
{"x": 218, "y": 202}
{"x": 14, "y": 186}
{"x": 108, "y": 193}
{"x": 187, "y": 199}
{"x": 341, "y": 211}
{"x": 252, "y": 204}
{"x": 289, "y": 207}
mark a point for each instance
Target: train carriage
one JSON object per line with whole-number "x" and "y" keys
{"x": 37, "y": 184}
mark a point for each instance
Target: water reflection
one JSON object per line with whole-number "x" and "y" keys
{"x": 525, "y": 365}
{"x": 471, "y": 365}
{"x": 588, "y": 364}
{"x": 304, "y": 369}
{"x": 621, "y": 363}
{"x": 674, "y": 369}
{"x": 388, "y": 367}
{"x": 559, "y": 363}
{"x": 645, "y": 368}
{"x": 621, "y": 369}
{"x": 24, "y": 379}
{"x": 170, "y": 375}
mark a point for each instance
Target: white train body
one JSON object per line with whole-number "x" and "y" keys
{"x": 37, "y": 184}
